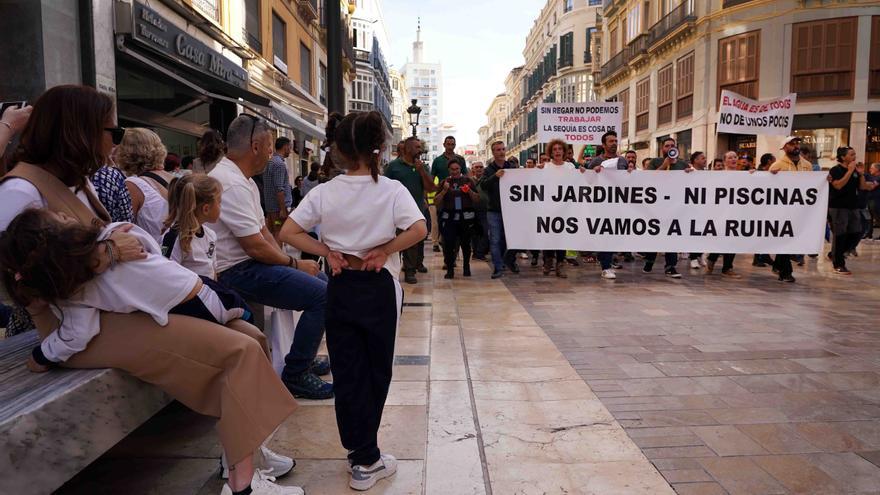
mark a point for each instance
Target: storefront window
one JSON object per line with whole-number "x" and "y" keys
{"x": 743, "y": 144}
{"x": 824, "y": 142}
{"x": 872, "y": 143}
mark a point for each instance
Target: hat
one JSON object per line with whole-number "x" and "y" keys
{"x": 790, "y": 139}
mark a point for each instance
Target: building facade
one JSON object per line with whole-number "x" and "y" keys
{"x": 559, "y": 55}
{"x": 400, "y": 128}
{"x": 371, "y": 88}
{"x": 668, "y": 61}
{"x": 497, "y": 116}
{"x": 424, "y": 81}
{"x": 181, "y": 67}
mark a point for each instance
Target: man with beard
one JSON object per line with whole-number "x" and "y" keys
{"x": 610, "y": 156}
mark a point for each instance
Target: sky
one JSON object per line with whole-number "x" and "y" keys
{"x": 476, "y": 41}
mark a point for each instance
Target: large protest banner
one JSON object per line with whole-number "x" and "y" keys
{"x": 740, "y": 115}
{"x": 578, "y": 123}
{"x": 647, "y": 211}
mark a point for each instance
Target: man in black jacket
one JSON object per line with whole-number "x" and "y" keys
{"x": 490, "y": 184}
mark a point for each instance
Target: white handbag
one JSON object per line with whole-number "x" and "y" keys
{"x": 280, "y": 335}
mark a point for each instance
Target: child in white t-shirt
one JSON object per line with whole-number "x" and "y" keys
{"x": 48, "y": 256}
{"x": 193, "y": 201}
{"x": 365, "y": 221}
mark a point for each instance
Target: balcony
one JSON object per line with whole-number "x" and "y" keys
{"x": 360, "y": 106}
{"x": 615, "y": 64}
{"x": 308, "y": 10}
{"x": 638, "y": 47}
{"x": 361, "y": 55}
{"x": 678, "y": 21}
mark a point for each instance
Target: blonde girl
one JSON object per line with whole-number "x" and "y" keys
{"x": 193, "y": 201}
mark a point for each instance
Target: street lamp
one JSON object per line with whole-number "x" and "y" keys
{"x": 414, "y": 111}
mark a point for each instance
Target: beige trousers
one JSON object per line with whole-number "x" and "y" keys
{"x": 435, "y": 227}
{"x": 214, "y": 370}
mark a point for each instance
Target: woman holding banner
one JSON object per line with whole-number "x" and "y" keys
{"x": 557, "y": 149}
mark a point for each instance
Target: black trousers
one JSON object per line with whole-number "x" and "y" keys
{"x": 782, "y": 264}
{"x": 456, "y": 235}
{"x": 361, "y": 322}
{"x": 670, "y": 259}
{"x": 551, "y": 255}
{"x": 413, "y": 257}
{"x": 230, "y": 299}
{"x": 727, "y": 263}
{"x": 480, "y": 237}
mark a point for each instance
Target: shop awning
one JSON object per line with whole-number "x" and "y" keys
{"x": 206, "y": 85}
{"x": 290, "y": 117}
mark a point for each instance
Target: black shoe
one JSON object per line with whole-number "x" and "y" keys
{"x": 466, "y": 271}
{"x": 308, "y": 386}
{"x": 422, "y": 269}
{"x": 320, "y": 366}
{"x": 513, "y": 267}
{"x": 648, "y": 267}
{"x": 786, "y": 278}
{"x": 497, "y": 274}
{"x": 410, "y": 278}
{"x": 449, "y": 275}
{"x": 436, "y": 248}
{"x": 672, "y": 272}
{"x": 842, "y": 270}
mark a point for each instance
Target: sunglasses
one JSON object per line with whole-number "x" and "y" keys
{"x": 116, "y": 134}
{"x": 254, "y": 121}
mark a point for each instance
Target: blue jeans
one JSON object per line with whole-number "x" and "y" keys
{"x": 605, "y": 260}
{"x": 497, "y": 241}
{"x": 285, "y": 288}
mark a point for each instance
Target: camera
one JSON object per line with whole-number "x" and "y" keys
{"x": 672, "y": 153}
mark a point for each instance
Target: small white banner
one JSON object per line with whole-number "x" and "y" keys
{"x": 578, "y": 123}
{"x": 740, "y": 115}
{"x": 650, "y": 211}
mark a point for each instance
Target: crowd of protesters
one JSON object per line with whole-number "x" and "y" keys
{"x": 92, "y": 210}
{"x": 475, "y": 212}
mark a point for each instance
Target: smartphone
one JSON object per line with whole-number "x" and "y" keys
{"x": 15, "y": 104}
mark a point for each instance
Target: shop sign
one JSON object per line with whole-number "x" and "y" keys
{"x": 162, "y": 35}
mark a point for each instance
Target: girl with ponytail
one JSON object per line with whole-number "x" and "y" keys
{"x": 366, "y": 220}
{"x": 193, "y": 201}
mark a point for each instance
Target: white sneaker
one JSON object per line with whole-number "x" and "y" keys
{"x": 364, "y": 477}
{"x": 609, "y": 274}
{"x": 263, "y": 484}
{"x": 695, "y": 264}
{"x": 271, "y": 463}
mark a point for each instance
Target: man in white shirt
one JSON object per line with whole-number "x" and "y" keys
{"x": 250, "y": 261}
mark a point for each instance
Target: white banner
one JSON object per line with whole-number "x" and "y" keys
{"x": 740, "y": 115}
{"x": 578, "y": 123}
{"x": 650, "y": 211}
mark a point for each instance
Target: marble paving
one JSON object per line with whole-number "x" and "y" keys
{"x": 483, "y": 402}
{"x": 744, "y": 386}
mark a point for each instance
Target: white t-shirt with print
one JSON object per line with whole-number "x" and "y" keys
{"x": 201, "y": 259}
{"x": 240, "y": 213}
{"x": 357, "y": 214}
{"x": 153, "y": 285}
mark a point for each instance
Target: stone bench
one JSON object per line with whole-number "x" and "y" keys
{"x": 53, "y": 425}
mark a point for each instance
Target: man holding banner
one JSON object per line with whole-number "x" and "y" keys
{"x": 789, "y": 162}
{"x": 668, "y": 161}
{"x": 609, "y": 159}
{"x": 501, "y": 257}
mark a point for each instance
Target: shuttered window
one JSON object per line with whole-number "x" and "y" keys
{"x": 874, "y": 78}
{"x": 643, "y": 93}
{"x": 623, "y": 98}
{"x": 823, "y": 58}
{"x": 738, "y": 62}
{"x": 664, "y": 95}
{"x": 684, "y": 86}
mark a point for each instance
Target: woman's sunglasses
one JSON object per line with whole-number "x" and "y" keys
{"x": 116, "y": 133}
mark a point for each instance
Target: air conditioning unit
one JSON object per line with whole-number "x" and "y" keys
{"x": 279, "y": 64}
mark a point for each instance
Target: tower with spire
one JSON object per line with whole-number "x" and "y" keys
{"x": 424, "y": 81}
